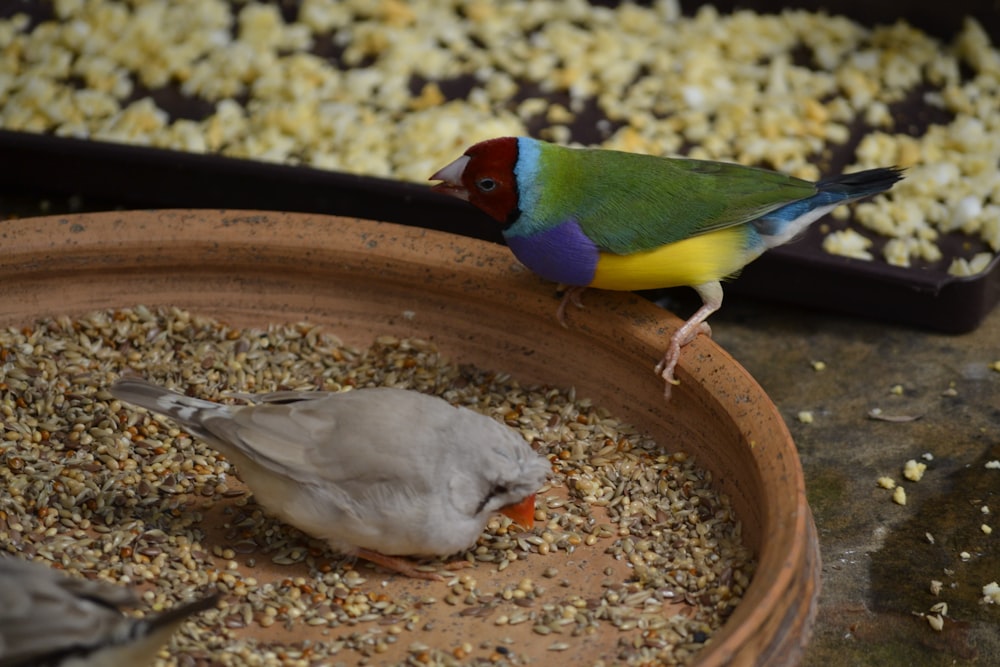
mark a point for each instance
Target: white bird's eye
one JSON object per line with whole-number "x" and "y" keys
{"x": 486, "y": 184}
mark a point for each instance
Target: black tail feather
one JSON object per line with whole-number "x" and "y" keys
{"x": 862, "y": 183}
{"x": 178, "y": 613}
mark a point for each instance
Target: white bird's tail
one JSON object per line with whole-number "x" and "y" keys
{"x": 187, "y": 411}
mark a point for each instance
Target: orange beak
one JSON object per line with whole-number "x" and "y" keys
{"x": 522, "y": 513}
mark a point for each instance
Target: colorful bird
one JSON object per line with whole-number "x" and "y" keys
{"x": 587, "y": 217}
{"x": 48, "y": 618}
{"x": 378, "y": 473}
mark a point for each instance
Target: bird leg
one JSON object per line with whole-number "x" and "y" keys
{"x": 572, "y": 294}
{"x": 711, "y": 297}
{"x": 406, "y": 566}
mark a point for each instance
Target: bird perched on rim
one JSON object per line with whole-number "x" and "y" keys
{"x": 588, "y": 217}
{"x": 50, "y": 619}
{"x": 379, "y": 473}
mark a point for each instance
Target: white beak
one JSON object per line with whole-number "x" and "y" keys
{"x": 451, "y": 179}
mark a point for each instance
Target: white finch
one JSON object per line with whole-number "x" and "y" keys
{"x": 378, "y": 473}
{"x": 48, "y": 618}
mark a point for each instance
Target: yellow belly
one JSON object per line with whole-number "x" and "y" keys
{"x": 694, "y": 261}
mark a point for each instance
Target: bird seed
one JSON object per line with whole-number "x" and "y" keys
{"x": 107, "y": 492}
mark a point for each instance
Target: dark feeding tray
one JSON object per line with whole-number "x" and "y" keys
{"x": 801, "y": 273}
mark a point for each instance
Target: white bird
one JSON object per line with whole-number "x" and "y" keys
{"x": 49, "y": 619}
{"x": 377, "y": 473}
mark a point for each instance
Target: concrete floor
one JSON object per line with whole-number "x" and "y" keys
{"x": 878, "y": 560}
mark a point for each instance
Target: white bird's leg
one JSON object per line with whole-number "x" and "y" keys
{"x": 398, "y": 564}
{"x": 711, "y": 298}
{"x": 572, "y": 294}
{"x": 407, "y": 567}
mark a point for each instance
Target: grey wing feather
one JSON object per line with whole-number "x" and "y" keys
{"x": 308, "y": 436}
{"x": 362, "y": 437}
{"x": 74, "y": 611}
{"x": 46, "y": 613}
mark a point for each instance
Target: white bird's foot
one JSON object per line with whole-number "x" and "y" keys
{"x": 571, "y": 295}
{"x": 456, "y": 565}
{"x": 408, "y": 567}
{"x": 399, "y": 565}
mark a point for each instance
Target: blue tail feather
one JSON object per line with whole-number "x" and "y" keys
{"x": 782, "y": 224}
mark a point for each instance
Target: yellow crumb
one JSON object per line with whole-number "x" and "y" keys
{"x": 914, "y": 471}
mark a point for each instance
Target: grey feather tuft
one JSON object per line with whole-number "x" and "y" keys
{"x": 48, "y": 618}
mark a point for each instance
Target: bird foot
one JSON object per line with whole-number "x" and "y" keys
{"x": 456, "y": 565}
{"x": 571, "y": 295}
{"x": 703, "y": 329}
{"x": 665, "y": 369}
{"x": 401, "y": 565}
{"x": 683, "y": 336}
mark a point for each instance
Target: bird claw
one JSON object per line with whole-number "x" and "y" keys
{"x": 665, "y": 368}
{"x": 399, "y": 565}
{"x": 571, "y": 295}
{"x": 702, "y": 328}
{"x": 458, "y": 565}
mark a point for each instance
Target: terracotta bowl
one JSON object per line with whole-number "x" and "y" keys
{"x": 479, "y": 306}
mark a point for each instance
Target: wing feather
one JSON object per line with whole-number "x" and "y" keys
{"x": 316, "y": 437}
{"x": 627, "y": 202}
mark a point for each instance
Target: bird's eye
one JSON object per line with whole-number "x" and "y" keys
{"x": 486, "y": 185}
{"x": 500, "y": 489}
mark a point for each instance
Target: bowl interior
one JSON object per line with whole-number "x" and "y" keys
{"x": 363, "y": 279}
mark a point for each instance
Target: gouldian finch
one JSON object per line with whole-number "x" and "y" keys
{"x": 587, "y": 217}
{"x": 378, "y": 473}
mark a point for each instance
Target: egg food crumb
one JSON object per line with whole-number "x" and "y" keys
{"x": 729, "y": 86}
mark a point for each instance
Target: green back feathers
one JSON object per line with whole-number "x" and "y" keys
{"x": 626, "y": 202}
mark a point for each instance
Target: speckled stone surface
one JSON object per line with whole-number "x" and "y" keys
{"x": 878, "y": 559}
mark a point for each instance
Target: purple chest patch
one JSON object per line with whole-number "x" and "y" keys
{"x": 562, "y": 254}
